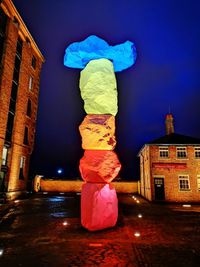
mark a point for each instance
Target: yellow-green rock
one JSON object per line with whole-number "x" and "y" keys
{"x": 99, "y": 88}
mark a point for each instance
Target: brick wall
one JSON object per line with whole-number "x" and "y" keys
{"x": 17, "y": 148}
{"x": 171, "y": 174}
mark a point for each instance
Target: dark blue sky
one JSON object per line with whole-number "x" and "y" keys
{"x": 166, "y": 34}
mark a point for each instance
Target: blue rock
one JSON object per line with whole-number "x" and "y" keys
{"x": 78, "y": 54}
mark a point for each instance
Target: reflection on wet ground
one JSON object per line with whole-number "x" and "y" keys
{"x": 45, "y": 230}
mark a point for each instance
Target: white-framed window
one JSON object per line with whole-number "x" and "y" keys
{"x": 184, "y": 182}
{"x": 164, "y": 152}
{"x": 22, "y": 161}
{"x": 4, "y": 155}
{"x": 21, "y": 168}
{"x": 181, "y": 152}
{"x": 30, "y": 84}
{"x": 198, "y": 182}
{"x": 197, "y": 152}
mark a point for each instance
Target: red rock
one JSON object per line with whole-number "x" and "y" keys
{"x": 99, "y": 206}
{"x": 98, "y": 132}
{"x": 99, "y": 166}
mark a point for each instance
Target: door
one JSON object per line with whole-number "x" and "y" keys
{"x": 159, "y": 188}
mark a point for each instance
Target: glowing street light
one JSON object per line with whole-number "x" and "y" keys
{"x": 65, "y": 223}
{"x": 139, "y": 215}
{"x": 59, "y": 171}
{"x": 137, "y": 201}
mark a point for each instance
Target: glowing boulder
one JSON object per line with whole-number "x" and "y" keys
{"x": 78, "y": 54}
{"x": 98, "y": 87}
{"x": 99, "y": 206}
{"x": 99, "y": 166}
{"x": 98, "y": 132}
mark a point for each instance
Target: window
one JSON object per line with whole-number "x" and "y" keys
{"x": 26, "y": 136}
{"x": 12, "y": 105}
{"x": 164, "y": 152}
{"x": 19, "y": 47}
{"x": 197, "y": 152}
{"x": 30, "y": 85}
{"x": 198, "y": 182}
{"x": 3, "y": 23}
{"x": 14, "y": 91}
{"x": 4, "y": 155}
{"x": 9, "y": 128}
{"x": 28, "y": 112}
{"x": 184, "y": 183}
{"x": 21, "y": 170}
{"x": 181, "y": 152}
{"x": 33, "y": 63}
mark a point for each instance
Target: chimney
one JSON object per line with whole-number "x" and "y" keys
{"x": 169, "y": 124}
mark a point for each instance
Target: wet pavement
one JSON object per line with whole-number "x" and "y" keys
{"x": 45, "y": 231}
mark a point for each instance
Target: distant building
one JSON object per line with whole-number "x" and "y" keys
{"x": 170, "y": 167}
{"x": 20, "y": 67}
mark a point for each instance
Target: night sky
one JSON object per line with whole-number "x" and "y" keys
{"x": 166, "y": 74}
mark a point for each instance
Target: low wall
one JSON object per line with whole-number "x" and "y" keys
{"x": 46, "y": 185}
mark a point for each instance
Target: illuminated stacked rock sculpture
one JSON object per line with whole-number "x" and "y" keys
{"x": 100, "y": 164}
{"x": 98, "y": 132}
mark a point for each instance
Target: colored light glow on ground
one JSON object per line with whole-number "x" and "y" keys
{"x": 137, "y": 234}
{"x": 65, "y": 223}
{"x": 95, "y": 245}
{"x": 139, "y": 215}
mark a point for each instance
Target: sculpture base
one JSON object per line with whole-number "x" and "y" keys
{"x": 99, "y": 206}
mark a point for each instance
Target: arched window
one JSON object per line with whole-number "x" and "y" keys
{"x": 28, "y": 112}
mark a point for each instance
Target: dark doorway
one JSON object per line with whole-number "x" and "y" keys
{"x": 159, "y": 188}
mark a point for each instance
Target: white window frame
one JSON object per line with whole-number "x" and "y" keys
{"x": 180, "y": 151}
{"x": 30, "y": 83}
{"x": 185, "y": 186}
{"x": 4, "y": 155}
{"x": 164, "y": 152}
{"x": 22, "y": 162}
{"x": 197, "y": 152}
{"x": 198, "y": 183}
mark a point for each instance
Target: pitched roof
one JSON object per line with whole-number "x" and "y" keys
{"x": 177, "y": 139}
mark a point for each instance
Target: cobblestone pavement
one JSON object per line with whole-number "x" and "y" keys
{"x": 45, "y": 231}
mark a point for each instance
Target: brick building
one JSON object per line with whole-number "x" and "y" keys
{"x": 170, "y": 167}
{"x": 20, "y": 67}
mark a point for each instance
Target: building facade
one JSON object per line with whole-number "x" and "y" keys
{"x": 20, "y": 67}
{"x": 170, "y": 167}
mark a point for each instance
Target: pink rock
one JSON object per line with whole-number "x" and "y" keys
{"x": 99, "y": 206}
{"x": 99, "y": 166}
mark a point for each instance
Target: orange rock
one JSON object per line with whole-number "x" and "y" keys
{"x": 98, "y": 132}
{"x": 99, "y": 206}
{"x": 99, "y": 166}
